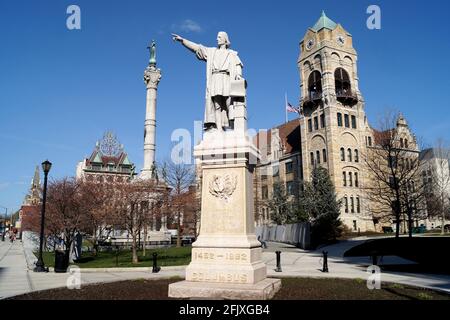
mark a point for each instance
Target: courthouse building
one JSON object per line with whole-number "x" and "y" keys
{"x": 332, "y": 130}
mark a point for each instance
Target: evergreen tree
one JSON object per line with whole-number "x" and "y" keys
{"x": 279, "y": 205}
{"x": 319, "y": 200}
{"x": 285, "y": 209}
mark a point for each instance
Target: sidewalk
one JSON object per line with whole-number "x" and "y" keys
{"x": 16, "y": 279}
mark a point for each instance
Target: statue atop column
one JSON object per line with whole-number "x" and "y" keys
{"x": 152, "y": 49}
{"x": 225, "y": 86}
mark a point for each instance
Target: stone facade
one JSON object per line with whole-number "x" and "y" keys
{"x": 280, "y": 162}
{"x": 333, "y": 114}
{"x": 332, "y": 130}
{"x": 436, "y": 172}
{"x": 394, "y": 156}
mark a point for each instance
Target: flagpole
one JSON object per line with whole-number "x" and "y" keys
{"x": 285, "y": 106}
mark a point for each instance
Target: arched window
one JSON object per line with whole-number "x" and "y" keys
{"x": 350, "y": 179}
{"x": 406, "y": 143}
{"x": 401, "y": 143}
{"x": 315, "y": 85}
{"x": 342, "y": 83}
{"x": 318, "y": 156}
{"x": 346, "y": 204}
{"x": 324, "y": 153}
{"x": 344, "y": 178}
{"x": 356, "y": 155}
{"x": 312, "y": 158}
{"x": 349, "y": 154}
{"x": 342, "y": 154}
{"x": 356, "y": 180}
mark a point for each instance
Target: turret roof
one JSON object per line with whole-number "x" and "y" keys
{"x": 324, "y": 22}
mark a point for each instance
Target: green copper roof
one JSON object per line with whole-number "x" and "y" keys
{"x": 126, "y": 161}
{"x": 97, "y": 158}
{"x": 324, "y": 22}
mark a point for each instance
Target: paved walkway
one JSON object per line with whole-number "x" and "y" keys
{"x": 300, "y": 263}
{"x": 16, "y": 278}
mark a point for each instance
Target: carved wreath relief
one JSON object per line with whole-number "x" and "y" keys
{"x": 222, "y": 187}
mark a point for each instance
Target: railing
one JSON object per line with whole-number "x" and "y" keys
{"x": 313, "y": 95}
{"x": 108, "y": 169}
{"x": 346, "y": 96}
{"x": 312, "y": 98}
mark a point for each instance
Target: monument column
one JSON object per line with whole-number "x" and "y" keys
{"x": 152, "y": 76}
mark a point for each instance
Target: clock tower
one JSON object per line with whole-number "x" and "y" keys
{"x": 333, "y": 123}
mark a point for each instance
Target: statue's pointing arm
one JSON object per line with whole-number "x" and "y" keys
{"x": 192, "y": 46}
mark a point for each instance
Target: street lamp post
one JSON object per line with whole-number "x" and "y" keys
{"x": 4, "y": 223}
{"x": 40, "y": 267}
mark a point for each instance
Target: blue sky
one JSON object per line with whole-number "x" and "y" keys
{"x": 61, "y": 89}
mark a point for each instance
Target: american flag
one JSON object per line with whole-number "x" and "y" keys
{"x": 292, "y": 109}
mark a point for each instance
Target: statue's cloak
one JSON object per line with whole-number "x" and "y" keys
{"x": 231, "y": 65}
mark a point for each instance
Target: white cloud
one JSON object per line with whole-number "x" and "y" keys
{"x": 187, "y": 25}
{"x": 4, "y": 185}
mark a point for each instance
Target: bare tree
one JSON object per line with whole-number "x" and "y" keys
{"x": 440, "y": 181}
{"x": 65, "y": 210}
{"x": 394, "y": 186}
{"x": 152, "y": 207}
{"x": 179, "y": 177}
{"x": 129, "y": 206}
{"x": 95, "y": 198}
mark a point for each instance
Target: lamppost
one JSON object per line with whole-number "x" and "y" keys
{"x": 40, "y": 267}
{"x": 4, "y": 222}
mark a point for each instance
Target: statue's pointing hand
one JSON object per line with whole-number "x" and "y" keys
{"x": 176, "y": 37}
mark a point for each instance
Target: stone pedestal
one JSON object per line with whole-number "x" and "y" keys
{"x": 226, "y": 258}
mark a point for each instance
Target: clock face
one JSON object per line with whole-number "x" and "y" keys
{"x": 309, "y": 44}
{"x": 341, "y": 40}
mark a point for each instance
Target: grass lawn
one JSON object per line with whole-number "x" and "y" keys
{"x": 172, "y": 256}
{"x": 291, "y": 289}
